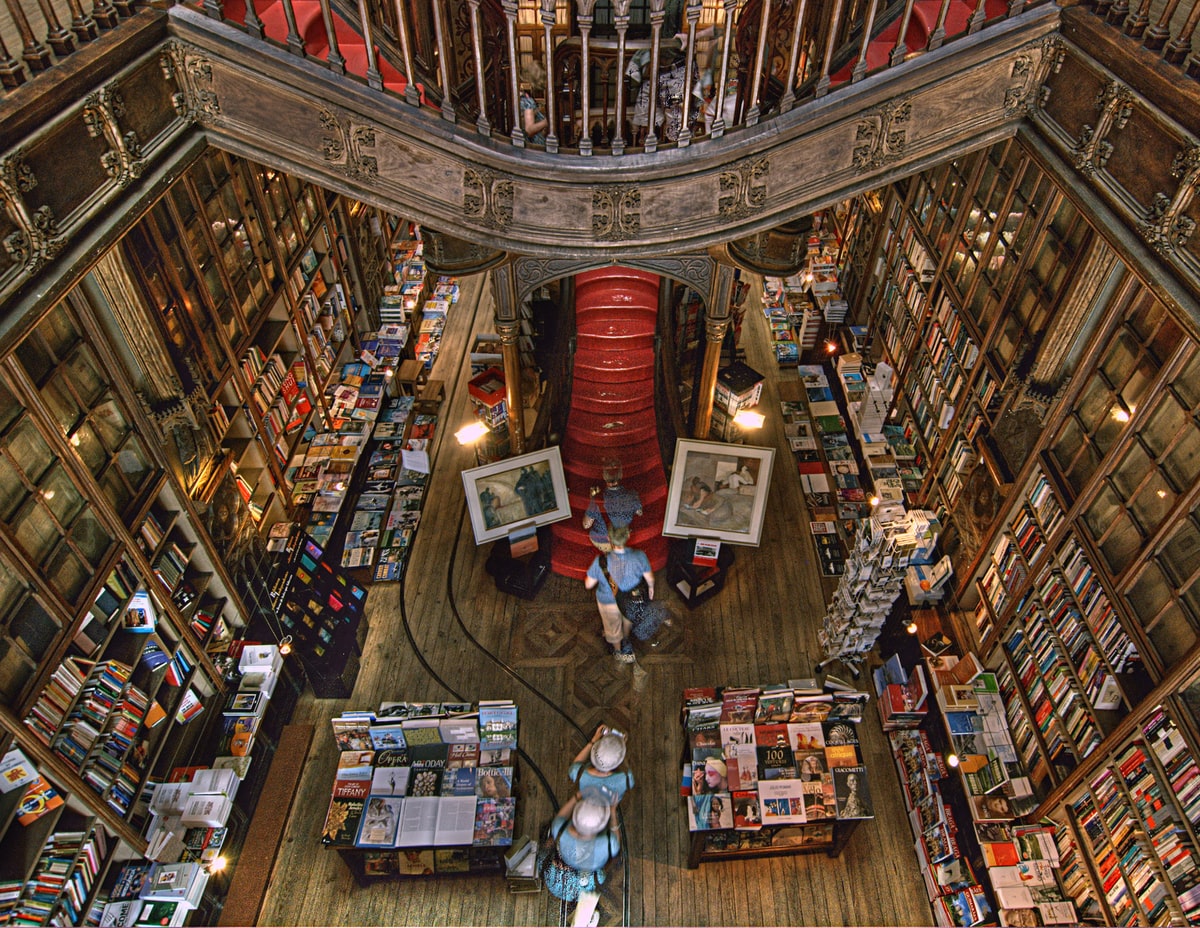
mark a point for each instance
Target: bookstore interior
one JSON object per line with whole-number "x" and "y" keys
{"x": 221, "y": 440}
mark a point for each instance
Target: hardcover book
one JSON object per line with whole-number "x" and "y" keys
{"x": 494, "y": 822}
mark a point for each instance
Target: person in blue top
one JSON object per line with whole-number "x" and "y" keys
{"x": 624, "y": 567}
{"x": 587, "y": 838}
{"x": 533, "y": 120}
{"x": 611, "y": 507}
{"x": 599, "y": 766}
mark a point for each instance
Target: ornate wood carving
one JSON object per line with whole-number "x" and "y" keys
{"x": 697, "y": 271}
{"x": 487, "y": 198}
{"x": 743, "y": 188}
{"x": 1115, "y": 104}
{"x": 1167, "y": 227}
{"x": 881, "y": 135}
{"x": 616, "y": 212}
{"x": 196, "y": 101}
{"x": 37, "y": 238}
{"x": 102, "y": 114}
{"x": 345, "y": 147}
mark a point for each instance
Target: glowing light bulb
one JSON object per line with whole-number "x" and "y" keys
{"x": 285, "y": 646}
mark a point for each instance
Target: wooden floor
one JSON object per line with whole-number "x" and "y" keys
{"x": 446, "y": 633}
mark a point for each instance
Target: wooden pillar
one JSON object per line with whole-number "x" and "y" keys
{"x": 508, "y": 327}
{"x": 716, "y": 322}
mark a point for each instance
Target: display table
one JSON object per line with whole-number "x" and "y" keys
{"x": 424, "y": 789}
{"x": 770, "y": 771}
{"x": 694, "y": 583}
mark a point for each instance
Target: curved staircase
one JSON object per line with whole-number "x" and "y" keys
{"x": 612, "y": 412}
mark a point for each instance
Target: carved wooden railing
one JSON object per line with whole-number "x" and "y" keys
{"x": 37, "y": 35}
{"x": 1164, "y": 27}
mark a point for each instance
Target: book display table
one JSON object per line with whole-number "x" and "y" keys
{"x": 424, "y": 789}
{"x": 771, "y": 770}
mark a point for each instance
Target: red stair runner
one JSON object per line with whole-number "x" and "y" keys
{"x": 311, "y": 28}
{"x": 612, "y": 412}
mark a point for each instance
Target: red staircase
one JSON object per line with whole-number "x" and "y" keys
{"x": 311, "y": 29}
{"x": 921, "y": 25}
{"x": 612, "y": 412}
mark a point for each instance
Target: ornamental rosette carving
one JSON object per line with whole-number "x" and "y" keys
{"x": 488, "y": 198}
{"x": 743, "y": 188}
{"x": 616, "y": 212}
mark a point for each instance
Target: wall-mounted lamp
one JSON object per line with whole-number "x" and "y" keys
{"x": 1121, "y": 412}
{"x": 831, "y": 347}
{"x": 285, "y": 645}
{"x": 951, "y": 760}
{"x": 749, "y": 419}
{"x": 911, "y": 627}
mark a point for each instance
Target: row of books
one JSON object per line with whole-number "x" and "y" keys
{"x": 147, "y": 893}
{"x": 389, "y": 510}
{"x": 491, "y": 724}
{"x": 61, "y": 881}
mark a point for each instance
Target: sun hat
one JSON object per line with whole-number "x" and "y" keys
{"x": 608, "y": 752}
{"x": 589, "y": 816}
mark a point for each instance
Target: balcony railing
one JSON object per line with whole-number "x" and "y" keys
{"x": 465, "y": 59}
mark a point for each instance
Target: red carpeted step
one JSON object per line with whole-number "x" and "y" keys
{"x": 921, "y": 25}
{"x": 612, "y": 412}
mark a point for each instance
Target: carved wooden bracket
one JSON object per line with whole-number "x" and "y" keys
{"x": 1115, "y": 104}
{"x": 881, "y": 135}
{"x": 1166, "y": 227}
{"x": 36, "y": 238}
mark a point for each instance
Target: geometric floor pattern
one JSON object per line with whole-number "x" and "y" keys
{"x": 601, "y": 690}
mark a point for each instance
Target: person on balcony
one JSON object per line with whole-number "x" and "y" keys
{"x": 533, "y": 121}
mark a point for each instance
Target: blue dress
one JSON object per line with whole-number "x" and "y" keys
{"x": 616, "y": 783}
{"x": 528, "y": 103}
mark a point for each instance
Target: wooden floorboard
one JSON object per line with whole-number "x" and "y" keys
{"x": 480, "y": 643}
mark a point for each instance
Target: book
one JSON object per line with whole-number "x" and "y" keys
{"x": 851, "y": 791}
{"x": 782, "y": 802}
{"x": 342, "y": 821}
{"x": 387, "y": 781}
{"x": 746, "y": 813}
{"x": 39, "y": 798}
{"x": 457, "y": 818}
{"x": 176, "y": 882}
{"x": 775, "y": 757}
{"x": 380, "y": 821}
{"x": 494, "y": 822}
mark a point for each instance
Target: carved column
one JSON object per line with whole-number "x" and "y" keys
{"x": 716, "y": 322}
{"x": 584, "y": 17}
{"x": 621, "y": 21}
{"x": 508, "y": 327}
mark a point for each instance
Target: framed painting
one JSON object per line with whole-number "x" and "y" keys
{"x": 529, "y": 490}
{"x": 718, "y": 491}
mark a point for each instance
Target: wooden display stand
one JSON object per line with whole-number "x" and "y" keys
{"x": 695, "y": 583}
{"x": 808, "y": 839}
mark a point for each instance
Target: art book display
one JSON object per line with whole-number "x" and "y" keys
{"x": 418, "y": 777}
{"x": 785, "y": 780}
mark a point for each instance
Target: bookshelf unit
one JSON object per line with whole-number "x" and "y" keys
{"x": 141, "y": 452}
{"x": 1074, "y": 536}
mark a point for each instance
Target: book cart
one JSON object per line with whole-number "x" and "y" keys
{"x": 773, "y": 770}
{"x": 424, "y": 789}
